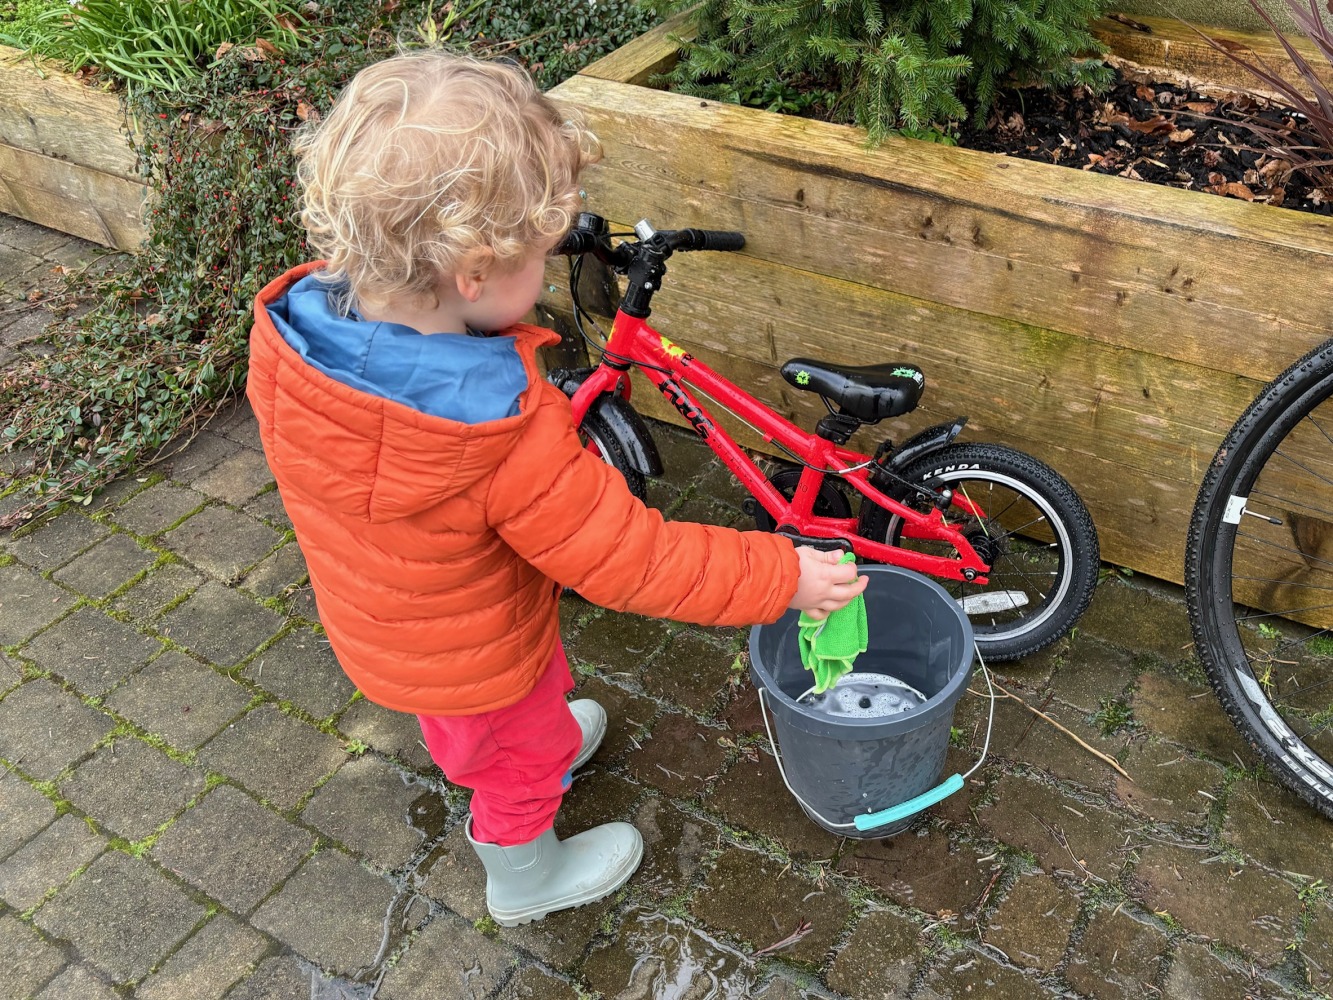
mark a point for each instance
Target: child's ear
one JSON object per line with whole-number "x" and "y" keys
{"x": 469, "y": 285}
{"x": 473, "y": 272}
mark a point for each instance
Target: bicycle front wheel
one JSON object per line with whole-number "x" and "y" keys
{"x": 1259, "y": 576}
{"x": 1033, "y": 531}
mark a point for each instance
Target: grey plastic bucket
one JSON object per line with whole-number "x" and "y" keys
{"x": 842, "y": 767}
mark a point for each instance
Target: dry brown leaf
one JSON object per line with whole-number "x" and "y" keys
{"x": 1180, "y": 136}
{"x": 1211, "y": 157}
{"x": 1202, "y": 107}
{"x": 1093, "y": 160}
{"x": 1232, "y": 189}
{"x": 1152, "y": 126}
{"x": 267, "y": 47}
{"x": 1145, "y": 92}
{"x": 306, "y": 112}
{"x": 1274, "y": 168}
{"x": 223, "y": 49}
{"x": 154, "y": 319}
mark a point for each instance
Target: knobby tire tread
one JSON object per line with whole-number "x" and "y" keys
{"x": 1311, "y": 377}
{"x": 1084, "y": 554}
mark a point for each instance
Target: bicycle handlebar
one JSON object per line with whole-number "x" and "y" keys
{"x": 578, "y": 241}
{"x": 644, "y": 260}
{"x": 705, "y": 239}
{"x": 590, "y": 236}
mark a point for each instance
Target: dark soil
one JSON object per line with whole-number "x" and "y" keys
{"x": 1156, "y": 132}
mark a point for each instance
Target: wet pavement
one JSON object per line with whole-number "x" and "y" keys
{"x": 195, "y": 803}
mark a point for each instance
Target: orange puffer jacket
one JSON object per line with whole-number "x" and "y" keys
{"x": 437, "y": 548}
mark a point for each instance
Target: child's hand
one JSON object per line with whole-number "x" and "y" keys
{"x": 824, "y": 585}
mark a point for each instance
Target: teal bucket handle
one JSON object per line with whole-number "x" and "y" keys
{"x": 870, "y": 821}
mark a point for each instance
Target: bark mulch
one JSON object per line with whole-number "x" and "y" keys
{"x": 1156, "y": 132}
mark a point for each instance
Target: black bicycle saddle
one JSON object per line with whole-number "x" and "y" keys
{"x": 869, "y": 393}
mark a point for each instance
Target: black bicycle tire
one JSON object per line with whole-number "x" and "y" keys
{"x": 1084, "y": 556}
{"x": 1239, "y": 461}
{"x": 611, "y": 452}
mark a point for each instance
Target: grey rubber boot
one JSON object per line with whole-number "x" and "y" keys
{"x": 528, "y": 881}
{"x": 591, "y": 718}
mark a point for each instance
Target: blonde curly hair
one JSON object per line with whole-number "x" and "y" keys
{"x": 430, "y": 163}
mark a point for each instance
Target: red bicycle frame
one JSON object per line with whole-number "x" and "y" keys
{"x": 671, "y": 369}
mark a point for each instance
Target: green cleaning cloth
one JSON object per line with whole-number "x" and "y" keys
{"x": 830, "y": 647}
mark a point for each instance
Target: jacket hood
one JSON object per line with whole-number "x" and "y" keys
{"x": 375, "y": 420}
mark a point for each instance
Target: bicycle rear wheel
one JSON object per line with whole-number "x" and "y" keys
{"x": 1036, "y": 536}
{"x": 1259, "y": 576}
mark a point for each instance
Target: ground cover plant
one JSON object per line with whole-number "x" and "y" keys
{"x": 165, "y": 341}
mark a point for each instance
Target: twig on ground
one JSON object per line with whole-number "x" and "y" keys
{"x": 1092, "y": 750}
{"x": 803, "y": 927}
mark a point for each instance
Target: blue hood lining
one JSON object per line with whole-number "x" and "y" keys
{"x": 464, "y": 378}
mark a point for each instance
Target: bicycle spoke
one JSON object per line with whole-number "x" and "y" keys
{"x": 1261, "y": 598}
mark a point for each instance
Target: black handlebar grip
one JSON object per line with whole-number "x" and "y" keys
{"x": 706, "y": 239}
{"x": 715, "y": 239}
{"x": 577, "y": 241}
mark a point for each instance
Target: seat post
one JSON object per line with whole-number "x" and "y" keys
{"x": 837, "y": 427}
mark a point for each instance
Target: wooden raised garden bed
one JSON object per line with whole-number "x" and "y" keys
{"x": 1113, "y": 328}
{"x": 65, "y": 161}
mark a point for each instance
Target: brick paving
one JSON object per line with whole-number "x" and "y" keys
{"x": 195, "y": 804}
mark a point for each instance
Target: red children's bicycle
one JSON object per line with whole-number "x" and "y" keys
{"x": 1006, "y": 534}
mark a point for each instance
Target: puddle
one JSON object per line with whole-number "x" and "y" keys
{"x": 673, "y": 961}
{"x": 428, "y": 813}
{"x": 335, "y": 987}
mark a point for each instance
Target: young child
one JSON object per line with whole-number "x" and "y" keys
{"x": 435, "y": 481}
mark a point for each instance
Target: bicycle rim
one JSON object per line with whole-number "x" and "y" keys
{"x": 1037, "y": 567}
{"x": 1259, "y": 576}
{"x": 1036, "y": 536}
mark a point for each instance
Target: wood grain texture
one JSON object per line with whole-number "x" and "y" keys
{"x": 47, "y": 111}
{"x": 1111, "y": 328}
{"x": 70, "y": 198}
{"x": 1173, "y": 51}
{"x": 65, "y": 158}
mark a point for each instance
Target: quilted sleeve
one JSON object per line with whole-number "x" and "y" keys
{"x": 572, "y": 517}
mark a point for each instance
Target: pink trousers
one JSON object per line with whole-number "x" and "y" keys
{"x": 515, "y": 759}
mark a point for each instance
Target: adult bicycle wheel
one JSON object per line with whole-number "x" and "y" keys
{"x": 1036, "y": 535}
{"x": 1259, "y": 576}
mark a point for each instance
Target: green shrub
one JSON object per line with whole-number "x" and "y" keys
{"x": 23, "y": 20}
{"x": 153, "y": 43}
{"x": 917, "y": 64}
{"x": 557, "y": 38}
{"x": 166, "y": 343}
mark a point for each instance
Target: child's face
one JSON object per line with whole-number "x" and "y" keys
{"x": 508, "y": 293}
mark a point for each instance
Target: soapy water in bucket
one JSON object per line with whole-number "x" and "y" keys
{"x": 864, "y": 696}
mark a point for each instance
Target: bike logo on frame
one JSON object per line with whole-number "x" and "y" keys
{"x": 677, "y": 398}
